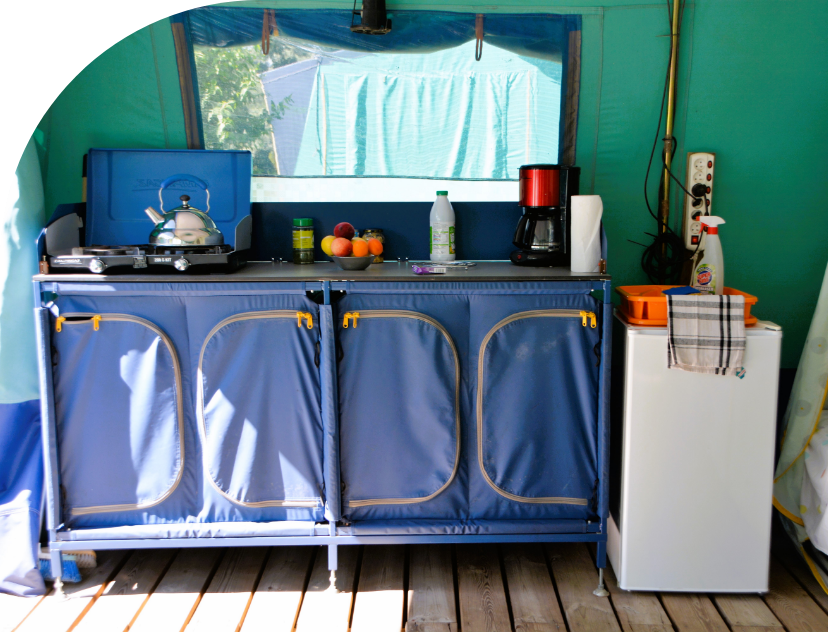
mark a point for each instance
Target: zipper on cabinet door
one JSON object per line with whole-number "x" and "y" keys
{"x": 98, "y": 322}
{"x": 353, "y": 318}
{"x": 307, "y": 317}
{"x": 588, "y": 319}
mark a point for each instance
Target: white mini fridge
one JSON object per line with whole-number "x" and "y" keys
{"x": 692, "y": 467}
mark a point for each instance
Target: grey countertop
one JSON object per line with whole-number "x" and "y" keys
{"x": 257, "y": 271}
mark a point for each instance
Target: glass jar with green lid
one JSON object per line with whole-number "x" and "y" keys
{"x": 302, "y": 240}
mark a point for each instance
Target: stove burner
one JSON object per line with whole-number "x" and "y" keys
{"x": 99, "y": 251}
{"x": 149, "y": 258}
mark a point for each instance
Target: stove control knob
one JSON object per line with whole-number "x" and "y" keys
{"x": 97, "y": 266}
{"x": 181, "y": 264}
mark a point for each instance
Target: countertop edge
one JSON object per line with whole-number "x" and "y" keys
{"x": 254, "y": 272}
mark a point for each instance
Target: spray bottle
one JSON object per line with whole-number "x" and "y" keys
{"x": 708, "y": 276}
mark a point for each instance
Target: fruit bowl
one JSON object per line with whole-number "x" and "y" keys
{"x": 353, "y": 263}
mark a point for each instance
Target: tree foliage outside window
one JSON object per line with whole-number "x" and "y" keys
{"x": 235, "y": 112}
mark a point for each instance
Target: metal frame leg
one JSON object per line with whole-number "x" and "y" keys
{"x": 601, "y": 562}
{"x": 332, "y": 564}
{"x": 601, "y": 591}
{"x": 601, "y": 555}
{"x": 56, "y": 560}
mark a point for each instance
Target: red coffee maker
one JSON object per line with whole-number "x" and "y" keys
{"x": 543, "y": 234}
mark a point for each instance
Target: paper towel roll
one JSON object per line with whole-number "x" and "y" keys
{"x": 586, "y": 232}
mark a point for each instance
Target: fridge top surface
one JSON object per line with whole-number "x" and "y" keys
{"x": 762, "y": 328}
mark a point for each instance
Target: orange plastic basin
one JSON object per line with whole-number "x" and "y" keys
{"x": 647, "y": 305}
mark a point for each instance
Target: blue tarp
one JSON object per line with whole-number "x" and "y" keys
{"x": 21, "y": 488}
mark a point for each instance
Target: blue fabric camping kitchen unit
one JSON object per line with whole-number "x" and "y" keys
{"x": 189, "y": 413}
{"x": 284, "y": 405}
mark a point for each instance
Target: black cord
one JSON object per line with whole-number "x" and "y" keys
{"x": 663, "y": 260}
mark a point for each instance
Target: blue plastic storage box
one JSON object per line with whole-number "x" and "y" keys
{"x": 121, "y": 183}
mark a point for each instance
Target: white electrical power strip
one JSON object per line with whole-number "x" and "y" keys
{"x": 700, "y": 167}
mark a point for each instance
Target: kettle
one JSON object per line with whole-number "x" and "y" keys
{"x": 184, "y": 225}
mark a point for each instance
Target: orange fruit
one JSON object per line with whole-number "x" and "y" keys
{"x": 360, "y": 248}
{"x": 375, "y": 246}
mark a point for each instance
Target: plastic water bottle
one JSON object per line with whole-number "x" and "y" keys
{"x": 441, "y": 220}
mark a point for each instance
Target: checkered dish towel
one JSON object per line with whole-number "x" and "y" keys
{"x": 706, "y": 333}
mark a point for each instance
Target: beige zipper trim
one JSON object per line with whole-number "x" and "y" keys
{"x": 95, "y": 320}
{"x": 202, "y": 424}
{"x": 537, "y": 313}
{"x": 387, "y": 313}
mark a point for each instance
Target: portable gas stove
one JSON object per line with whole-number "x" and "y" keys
{"x": 148, "y": 257}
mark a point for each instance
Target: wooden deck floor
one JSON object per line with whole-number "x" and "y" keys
{"x": 445, "y": 588}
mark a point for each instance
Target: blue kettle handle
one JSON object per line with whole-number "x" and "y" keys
{"x": 184, "y": 176}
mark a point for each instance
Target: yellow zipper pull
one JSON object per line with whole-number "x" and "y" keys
{"x": 96, "y": 322}
{"x": 584, "y": 318}
{"x": 353, "y": 316}
{"x": 59, "y": 323}
{"x": 593, "y": 320}
{"x": 309, "y": 319}
{"x": 299, "y": 319}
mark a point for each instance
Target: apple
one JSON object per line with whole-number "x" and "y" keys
{"x": 341, "y": 247}
{"x": 344, "y": 230}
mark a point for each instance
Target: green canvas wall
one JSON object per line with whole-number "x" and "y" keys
{"x": 128, "y": 97}
{"x": 753, "y": 88}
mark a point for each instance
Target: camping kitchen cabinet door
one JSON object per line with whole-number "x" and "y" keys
{"x": 536, "y": 406}
{"x": 118, "y": 409}
{"x": 258, "y": 407}
{"x": 399, "y": 409}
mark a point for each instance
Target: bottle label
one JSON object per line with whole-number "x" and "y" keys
{"x": 442, "y": 239}
{"x": 303, "y": 239}
{"x": 705, "y": 278}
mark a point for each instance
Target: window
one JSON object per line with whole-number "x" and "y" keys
{"x": 321, "y": 103}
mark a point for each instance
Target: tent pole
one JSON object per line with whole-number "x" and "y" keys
{"x": 671, "y": 114}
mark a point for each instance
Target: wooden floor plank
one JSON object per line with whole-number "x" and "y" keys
{"x": 796, "y": 566}
{"x": 14, "y": 609}
{"x": 55, "y": 614}
{"x": 324, "y": 609}
{"x": 576, "y": 577}
{"x": 482, "y": 593}
{"x": 174, "y": 600}
{"x": 534, "y": 603}
{"x": 431, "y": 604}
{"x": 123, "y": 598}
{"x": 379, "y": 601}
{"x": 636, "y": 611}
{"x": 791, "y": 603}
{"x": 746, "y": 612}
{"x": 276, "y": 603}
{"x": 693, "y": 613}
{"x": 224, "y": 603}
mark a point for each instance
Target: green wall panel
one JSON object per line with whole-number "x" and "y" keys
{"x": 128, "y": 97}
{"x": 753, "y": 88}
{"x": 759, "y": 99}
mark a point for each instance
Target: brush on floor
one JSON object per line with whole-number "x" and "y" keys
{"x": 72, "y": 563}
